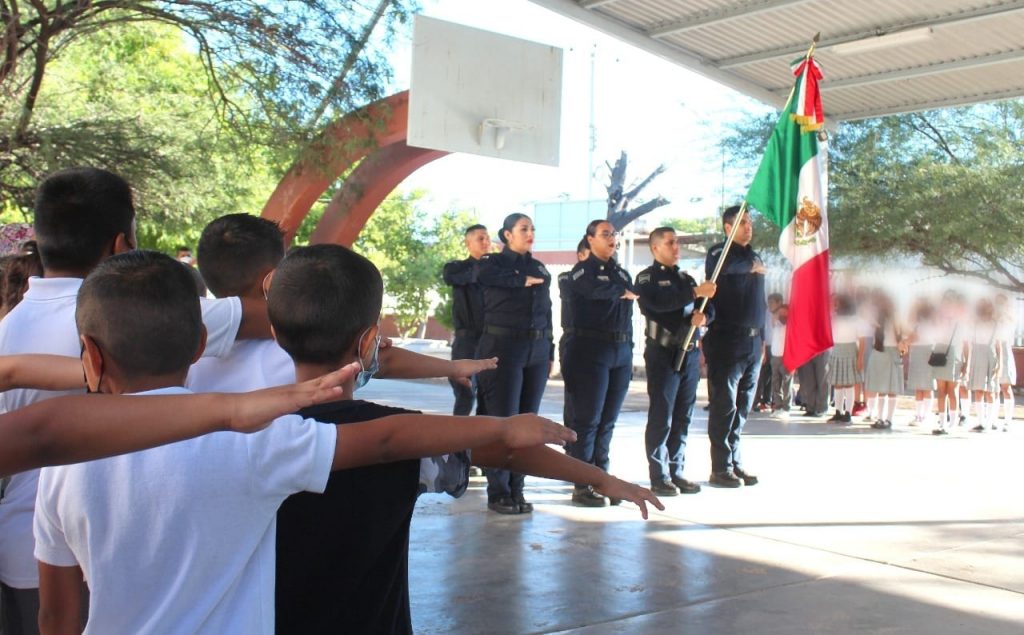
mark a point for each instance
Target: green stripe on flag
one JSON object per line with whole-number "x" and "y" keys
{"x": 775, "y": 187}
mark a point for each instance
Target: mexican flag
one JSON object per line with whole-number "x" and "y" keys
{"x": 790, "y": 189}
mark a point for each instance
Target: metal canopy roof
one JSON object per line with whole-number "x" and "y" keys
{"x": 880, "y": 57}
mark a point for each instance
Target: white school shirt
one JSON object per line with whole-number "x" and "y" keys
{"x": 44, "y": 322}
{"x": 929, "y": 334}
{"x": 181, "y": 538}
{"x": 778, "y": 338}
{"x": 846, "y": 329}
{"x": 250, "y": 365}
{"x": 985, "y": 333}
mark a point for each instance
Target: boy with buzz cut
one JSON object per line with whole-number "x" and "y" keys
{"x": 181, "y": 537}
{"x": 237, "y": 252}
{"x": 342, "y": 557}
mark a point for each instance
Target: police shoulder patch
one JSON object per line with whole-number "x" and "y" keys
{"x": 563, "y": 276}
{"x": 643, "y": 278}
{"x": 543, "y": 270}
{"x": 623, "y": 275}
{"x": 576, "y": 275}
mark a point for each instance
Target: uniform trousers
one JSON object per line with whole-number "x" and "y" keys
{"x": 672, "y": 396}
{"x": 516, "y": 386}
{"x": 466, "y": 396}
{"x": 599, "y": 374}
{"x": 734, "y": 364}
{"x": 813, "y": 378}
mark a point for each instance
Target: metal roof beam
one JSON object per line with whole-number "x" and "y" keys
{"x": 949, "y": 102}
{"x": 980, "y": 13}
{"x": 709, "y": 19}
{"x": 671, "y": 53}
{"x": 593, "y": 4}
{"x": 924, "y": 71}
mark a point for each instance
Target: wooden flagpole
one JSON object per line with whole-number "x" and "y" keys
{"x": 681, "y": 356}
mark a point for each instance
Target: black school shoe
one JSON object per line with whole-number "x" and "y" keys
{"x": 587, "y": 497}
{"x": 882, "y": 425}
{"x": 504, "y": 505}
{"x": 747, "y": 478}
{"x": 664, "y": 488}
{"x": 836, "y": 418}
{"x": 724, "y": 479}
{"x": 525, "y": 507}
{"x": 685, "y": 486}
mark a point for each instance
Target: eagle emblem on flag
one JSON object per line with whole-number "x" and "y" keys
{"x": 808, "y": 218}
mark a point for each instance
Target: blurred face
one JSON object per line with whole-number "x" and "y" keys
{"x": 666, "y": 249}
{"x": 520, "y": 237}
{"x": 602, "y": 243}
{"x": 478, "y": 243}
{"x": 745, "y": 233}
{"x": 783, "y": 316}
{"x": 984, "y": 310}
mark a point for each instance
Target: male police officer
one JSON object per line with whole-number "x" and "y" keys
{"x": 733, "y": 348}
{"x": 467, "y": 313}
{"x": 668, "y": 300}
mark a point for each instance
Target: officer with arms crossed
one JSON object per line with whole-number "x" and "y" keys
{"x": 467, "y": 314}
{"x": 668, "y": 300}
{"x": 733, "y": 348}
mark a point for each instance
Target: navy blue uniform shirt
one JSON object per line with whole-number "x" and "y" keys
{"x": 566, "y": 296}
{"x": 596, "y": 289}
{"x": 508, "y": 302}
{"x": 467, "y": 294}
{"x": 668, "y": 297}
{"x": 740, "y": 299}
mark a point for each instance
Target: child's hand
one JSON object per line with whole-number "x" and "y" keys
{"x": 464, "y": 369}
{"x": 640, "y": 496}
{"x": 529, "y": 430}
{"x": 254, "y": 411}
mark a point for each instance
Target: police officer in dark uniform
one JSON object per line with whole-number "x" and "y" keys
{"x": 668, "y": 301}
{"x": 467, "y": 314}
{"x": 582, "y": 253}
{"x": 733, "y": 348}
{"x": 598, "y": 352}
{"x": 517, "y": 330}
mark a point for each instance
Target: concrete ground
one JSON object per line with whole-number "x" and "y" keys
{"x": 849, "y": 531}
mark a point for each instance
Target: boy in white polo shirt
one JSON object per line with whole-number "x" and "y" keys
{"x": 82, "y": 216}
{"x": 181, "y": 537}
{"x": 237, "y": 252}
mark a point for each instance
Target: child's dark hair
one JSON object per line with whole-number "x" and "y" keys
{"x": 845, "y": 305}
{"x": 236, "y": 251}
{"x": 321, "y": 299}
{"x": 775, "y": 297}
{"x": 142, "y": 310}
{"x": 14, "y": 274}
{"x": 77, "y": 213}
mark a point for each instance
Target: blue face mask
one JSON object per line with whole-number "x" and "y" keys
{"x": 366, "y": 372}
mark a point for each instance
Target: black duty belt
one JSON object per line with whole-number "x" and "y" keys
{"x": 665, "y": 338}
{"x": 470, "y": 333}
{"x": 518, "y": 334}
{"x": 739, "y": 331}
{"x": 608, "y": 336}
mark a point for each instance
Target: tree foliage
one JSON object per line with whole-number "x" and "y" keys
{"x": 943, "y": 185}
{"x": 410, "y": 250}
{"x": 168, "y": 91}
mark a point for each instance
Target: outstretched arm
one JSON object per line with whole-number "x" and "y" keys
{"x": 549, "y": 463}
{"x": 411, "y": 436}
{"x": 398, "y": 363}
{"x": 88, "y": 427}
{"x": 42, "y": 372}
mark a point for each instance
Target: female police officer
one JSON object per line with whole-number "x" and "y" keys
{"x": 598, "y": 352}
{"x": 517, "y": 330}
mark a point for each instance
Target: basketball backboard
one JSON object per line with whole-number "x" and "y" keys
{"x": 478, "y": 92}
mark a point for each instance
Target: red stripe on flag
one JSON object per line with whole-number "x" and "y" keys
{"x": 809, "y": 328}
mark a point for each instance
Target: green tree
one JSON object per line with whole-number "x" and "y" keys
{"x": 259, "y": 80}
{"x": 410, "y": 251}
{"x": 708, "y": 225}
{"x": 941, "y": 185}
{"x": 449, "y": 244}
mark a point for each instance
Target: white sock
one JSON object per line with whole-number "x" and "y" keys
{"x": 964, "y": 409}
{"x": 983, "y": 413}
{"x": 874, "y": 407}
{"x": 929, "y": 405}
{"x": 919, "y": 410}
{"x": 1008, "y": 404}
{"x": 890, "y": 407}
{"x": 846, "y": 394}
